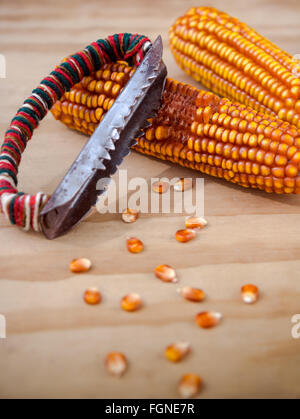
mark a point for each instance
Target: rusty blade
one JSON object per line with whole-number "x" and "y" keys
{"x": 106, "y": 148}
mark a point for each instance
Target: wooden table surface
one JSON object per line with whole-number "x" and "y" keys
{"x": 56, "y": 344}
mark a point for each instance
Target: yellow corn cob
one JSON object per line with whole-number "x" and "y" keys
{"x": 234, "y": 61}
{"x": 197, "y": 129}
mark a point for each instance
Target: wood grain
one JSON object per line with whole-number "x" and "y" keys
{"x": 55, "y": 344}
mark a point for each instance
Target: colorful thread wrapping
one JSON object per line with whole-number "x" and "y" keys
{"x": 23, "y": 209}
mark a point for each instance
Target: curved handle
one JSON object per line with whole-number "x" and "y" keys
{"x": 23, "y": 209}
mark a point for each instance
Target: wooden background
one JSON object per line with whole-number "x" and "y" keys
{"x": 56, "y": 344}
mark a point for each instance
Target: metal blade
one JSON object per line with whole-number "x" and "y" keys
{"x": 106, "y": 148}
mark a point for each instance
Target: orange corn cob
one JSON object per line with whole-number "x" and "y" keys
{"x": 233, "y": 60}
{"x": 197, "y": 129}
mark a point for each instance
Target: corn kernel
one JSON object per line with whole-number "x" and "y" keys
{"x": 116, "y": 363}
{"x": 249, "y": 293}
{"x": 208, "y": 319}
{"x": 165, "y": 273}
{"x": 177, "y": 351}
{"x": 92, "y": 296}
{"x": 183, "y": 184}
{"x": 134, "y": 245}
{"x": 160, "y": 187}
{"x": 80, "y": 265}
{"x": 195, "y": 223}
{"x": 130, "y": 215}
{"x": 184, "y": 236}
{"x": 190, "y": 385}
{"x": 192, "y": 294}
{"x": 131, "y": 302}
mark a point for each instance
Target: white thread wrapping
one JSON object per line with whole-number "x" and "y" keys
{"x": 27, "y": 213}
{"x": 18, "y": 129}
{"x": 5, "y": 201}
{"x": 77, "y": 68}
{"x": 11, "y": 157}
{"x": 40, "y": 198}
{"x": 46, "y": 88}
{"x": 27, "y": 105}
{"x": 41, "y": 100}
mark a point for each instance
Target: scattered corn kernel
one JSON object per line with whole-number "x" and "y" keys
{"x": 165, "y": 273}
{"x": 208, "y": 319}
{"x": 195, "y": 223}
{"x": 116, "y": 363}
{"x": 130, "y": 215}
{"x": 80, "y": 265}
{"x": 190, "y": 385}
{"x": 177, "y": 351}
{"x": 192, "y": 294}
{"x": 131, "y": 302}
{"x": 249, "y": 293}
{"x": 134, "y": 245}
{"x": 183, "y": 184}
{"x": 184, "y": 236}
{"x": 160, "y": 187}
{"x": 92, "y": 296}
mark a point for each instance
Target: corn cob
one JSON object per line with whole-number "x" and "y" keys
{"x": 234, "y": 61}
{"x": 198, "y": 130}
